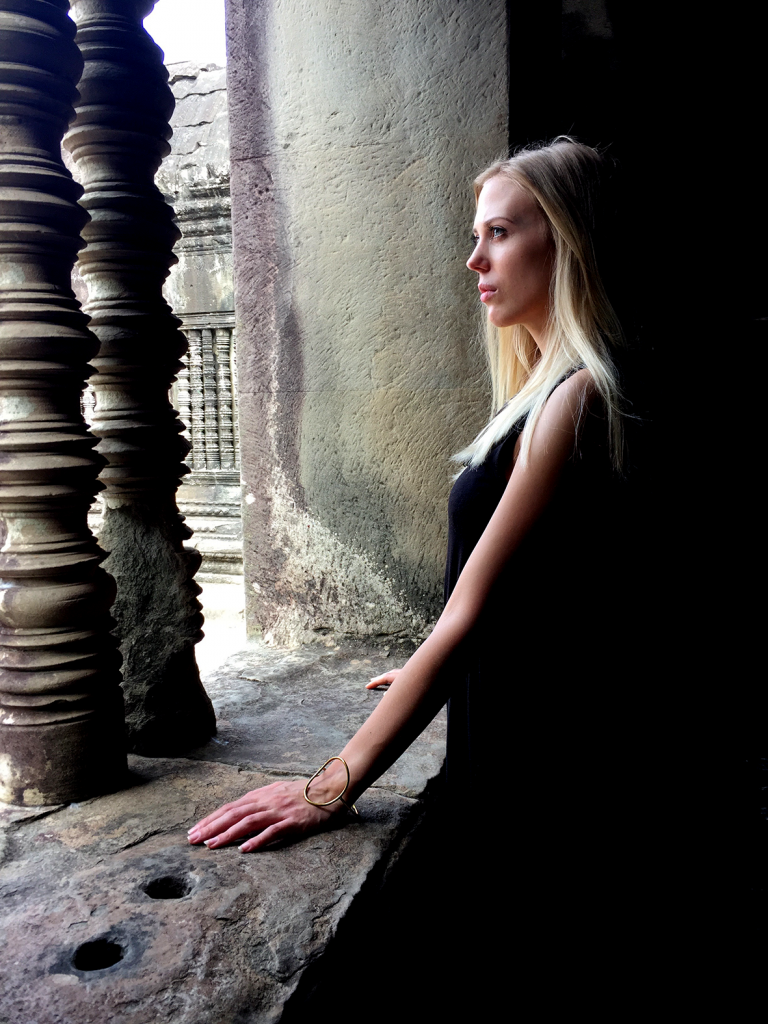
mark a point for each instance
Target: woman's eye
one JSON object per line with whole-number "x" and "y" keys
{"x": 497, "y": 232}
{"x": 473, "y": 240}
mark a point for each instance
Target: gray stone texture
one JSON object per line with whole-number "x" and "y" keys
{"x": 194, "y": 178}
{"x": 233, "y": 934}
{"x": 289, "y": 710}
{"x": 355, "y": 132}
{"x": 159, "y": 620}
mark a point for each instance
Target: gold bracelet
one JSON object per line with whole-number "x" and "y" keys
{"x": 349, "y": 807}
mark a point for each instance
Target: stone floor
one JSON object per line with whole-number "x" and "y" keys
{"x": 109, "y": 915}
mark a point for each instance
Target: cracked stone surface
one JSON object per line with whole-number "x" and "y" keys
{"x": 229, "y": 942}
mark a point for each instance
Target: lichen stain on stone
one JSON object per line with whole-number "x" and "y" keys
{"x": 320, "y": 567}
{"x": 7, "y": 774}
{"x": 33, "y": 797}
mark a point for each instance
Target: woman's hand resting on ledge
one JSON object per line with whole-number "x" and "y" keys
{"x": 278, "y": 812}
{"x": 383, "y": 680}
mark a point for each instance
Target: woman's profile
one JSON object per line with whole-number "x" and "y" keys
{"x": 520, "y": 648}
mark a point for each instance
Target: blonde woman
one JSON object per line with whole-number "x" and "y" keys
{"x": 526, "y": 559}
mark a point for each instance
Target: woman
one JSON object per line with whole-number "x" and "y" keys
{"x": 527, "y": 513}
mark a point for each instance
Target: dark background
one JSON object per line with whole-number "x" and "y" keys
{"x": 672, "y": 93}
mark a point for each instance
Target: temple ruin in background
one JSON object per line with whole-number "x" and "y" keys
{"x": 194, "y": 179}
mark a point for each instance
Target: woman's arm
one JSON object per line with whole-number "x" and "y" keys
{"x": 280, "y": 811}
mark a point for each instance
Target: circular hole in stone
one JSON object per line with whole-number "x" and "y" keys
{"x": 169, "y": 887}
{"x": 97, "y": 955}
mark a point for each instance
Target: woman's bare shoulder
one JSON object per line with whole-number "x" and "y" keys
{"x": 568, "y": 402}
{"x": 579, "y": 385}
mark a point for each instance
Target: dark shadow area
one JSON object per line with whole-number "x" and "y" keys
{"x": 604, "y": 880}
{"x": 401, "y": 952}
{"x": 753, "y": 810}
{"x": 672, "y": 98}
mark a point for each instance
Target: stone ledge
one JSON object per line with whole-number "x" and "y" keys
{"x": 288, "y": 710}
{"x": 235, "y": 932}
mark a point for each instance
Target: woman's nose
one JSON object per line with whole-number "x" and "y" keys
{"x": 477, "y": 261}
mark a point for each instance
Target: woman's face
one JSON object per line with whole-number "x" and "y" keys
{"x": 513, "y": 256}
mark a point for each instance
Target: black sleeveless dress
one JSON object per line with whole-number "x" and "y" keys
{"x": 528, "y": 676}
{"x": 537, "y": 861}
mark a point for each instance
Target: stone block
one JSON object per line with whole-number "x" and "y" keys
{"x": 107, "y": 913}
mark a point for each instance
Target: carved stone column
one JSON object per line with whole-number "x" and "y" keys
{"x": 117, "y": 142}
{"x": 61, "y": 714}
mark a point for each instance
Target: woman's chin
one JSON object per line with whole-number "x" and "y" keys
{"x": 499, "y": 320}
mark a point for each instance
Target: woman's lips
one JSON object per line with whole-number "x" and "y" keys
{"x": 486, "y": 292}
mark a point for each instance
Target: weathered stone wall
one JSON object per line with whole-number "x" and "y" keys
{"x": 195, "y": 179}
{"x": 355, "y": 132}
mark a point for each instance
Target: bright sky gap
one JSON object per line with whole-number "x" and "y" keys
{"x": 189, "y": 30}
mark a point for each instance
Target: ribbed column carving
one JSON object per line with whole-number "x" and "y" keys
{"x": 117, "y": 142}
{"x": 61, "y": 717}
{"x": 185, "y": 409}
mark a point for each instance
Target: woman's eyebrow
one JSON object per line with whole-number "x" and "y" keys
{"x": 491, "y": 220}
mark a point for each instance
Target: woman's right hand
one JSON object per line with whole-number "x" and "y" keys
{"x": 276, "y": 812}
{"x": 383, "y": 680}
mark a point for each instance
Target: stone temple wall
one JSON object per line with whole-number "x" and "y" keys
{"x": 195, "y": 181}
{"x": 356, "y": 130}
{"x": 195, "y": 177}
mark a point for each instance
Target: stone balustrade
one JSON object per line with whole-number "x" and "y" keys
{"x": 61, "y": 710}
{"x": 205, "y": 394}
{"x": 117, "y": 142}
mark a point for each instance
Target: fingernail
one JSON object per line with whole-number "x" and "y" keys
{"x": 242, "y": 848}
{"x": 209, "y": 842}
{"x": 193, "y": 835}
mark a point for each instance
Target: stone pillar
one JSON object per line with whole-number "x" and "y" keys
{"x": 117, "y": 142}
{"x": 355, "y": 132}
{"x": 61, "y": 714}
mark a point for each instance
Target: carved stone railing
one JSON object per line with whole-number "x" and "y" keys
{"x": 205, "y": 393}
{"x": 117, "y": 142}
{"x": 205, "y": 396}
{"x": 61, "y": 710}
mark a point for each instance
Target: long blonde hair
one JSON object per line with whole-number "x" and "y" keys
{"x": 565, "y": 180}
